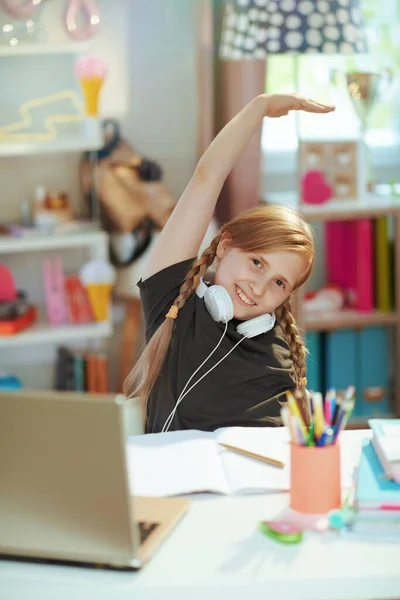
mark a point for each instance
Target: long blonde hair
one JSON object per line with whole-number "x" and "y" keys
{"x": 269, "y": 228}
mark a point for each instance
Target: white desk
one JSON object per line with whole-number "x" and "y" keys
{"x": 217, "y": 553}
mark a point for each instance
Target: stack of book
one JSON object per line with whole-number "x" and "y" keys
{"x": 345, "y": 356}
{"x": 374, "y": 511}
{"x": 81, "y": 371}
{"x": 359, "y": 259}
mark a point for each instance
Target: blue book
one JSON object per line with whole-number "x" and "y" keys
{"x": 373, "y": 371}
{"x": 374, "y": 489}
{"x": 9, "y": 382}
{"x": 79, "y": 373}
{"x": 341, "y": 363}
{"x": 314, "y": 363}
{"x": 386, "y": 441}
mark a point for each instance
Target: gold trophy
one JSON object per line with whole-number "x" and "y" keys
{"x": 363, "y": 89}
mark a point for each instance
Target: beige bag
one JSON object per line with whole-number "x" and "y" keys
{"x": 128, "y": 188}
{"x": 127, "y": 200}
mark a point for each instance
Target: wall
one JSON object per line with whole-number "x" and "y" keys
{"x": 162, "y": 116}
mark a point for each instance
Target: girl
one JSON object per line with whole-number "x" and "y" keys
{"x": 262, "y": 257}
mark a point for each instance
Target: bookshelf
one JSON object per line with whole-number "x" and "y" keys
{"x": 31, "y": 353}
{"x": 96, "y": 245}
{"x": 371, "y": 206}
{"x": 33, "y": 70}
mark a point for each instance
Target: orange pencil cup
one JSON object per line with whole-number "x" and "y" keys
{"x": 315, "y": 478}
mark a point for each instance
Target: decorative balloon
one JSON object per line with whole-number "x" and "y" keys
{"x": 86, "y": 9}
{"x": 20, "y": 10}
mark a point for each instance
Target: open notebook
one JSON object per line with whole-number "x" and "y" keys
{"x": 183, "y": 462}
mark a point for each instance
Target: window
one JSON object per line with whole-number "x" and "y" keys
{"x": 322, "y": 77}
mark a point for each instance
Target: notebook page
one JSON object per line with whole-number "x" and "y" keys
{"x": 175, "y": 463}
{"x": 350, "y": 453}
{"x": 247, "y": 475}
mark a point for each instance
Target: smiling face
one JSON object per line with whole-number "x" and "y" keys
{"x": 257, "y": 282}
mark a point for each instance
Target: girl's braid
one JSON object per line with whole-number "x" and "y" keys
{"x": 196, "y": 272}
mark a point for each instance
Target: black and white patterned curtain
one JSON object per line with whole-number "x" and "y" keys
{"x": 257, "y": 28}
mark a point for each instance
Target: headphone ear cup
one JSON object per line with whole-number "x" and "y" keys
{"x": 218, "y": 303}
{"x": 257, "y": 326}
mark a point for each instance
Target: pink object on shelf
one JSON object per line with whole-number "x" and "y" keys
{"x": 82, "y": 19}
{"x": 364, "y": 265}
{"x": 349, "y": 261}
{"x": 90, "y": 66}
{"x": 8, "y": 291}
{"x": 54, "y": 291}
{"x": 314, "y": 188}
{"x": 337, "y": 255}
{"x": 20, "y": 10}
{"x": 330, "y": 298}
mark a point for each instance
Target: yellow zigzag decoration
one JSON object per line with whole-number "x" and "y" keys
{"x": 49, "y": 123}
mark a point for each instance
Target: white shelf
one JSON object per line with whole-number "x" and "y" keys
{"x": 371, "y": 205}
{"x": 44, "y": 49}
{"x": 11, "y": 245}
{"x": 64, "y": 144}
{"x": 46, "y": 333}
{"x": 88, "y": 136}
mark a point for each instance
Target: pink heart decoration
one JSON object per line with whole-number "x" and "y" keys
{"x": 314, "y": 188}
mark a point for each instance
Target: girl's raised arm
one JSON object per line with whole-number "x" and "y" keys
{"x": 185, "y": 229}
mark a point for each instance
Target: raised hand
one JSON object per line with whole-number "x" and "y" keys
{"x": 279, "y": 105}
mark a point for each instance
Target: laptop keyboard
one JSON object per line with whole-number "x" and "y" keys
{"x": 145, "y": 529}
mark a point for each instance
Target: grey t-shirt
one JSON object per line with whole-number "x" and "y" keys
{"x": 244, "y": 390}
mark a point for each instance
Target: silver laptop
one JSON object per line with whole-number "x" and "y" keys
{"x": 64, "y": 491}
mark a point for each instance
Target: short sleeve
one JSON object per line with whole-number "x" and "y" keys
{"x": 159, "y": 291}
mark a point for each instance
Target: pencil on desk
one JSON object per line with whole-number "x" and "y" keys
{"x": 270, "y": 461}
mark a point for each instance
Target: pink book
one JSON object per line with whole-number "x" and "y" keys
{"x": 349, "y": 260}
{"x": 363, "y": 230}
{"x": 335, "y": 255}
{"x": 341, "y": 258}
{"x": 54, "y": 290}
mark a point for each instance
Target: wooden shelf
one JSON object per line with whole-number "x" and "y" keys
{"x": 22, "y": 49}
{"x": 47, "y": 333}
{"x": 347, "y": 318}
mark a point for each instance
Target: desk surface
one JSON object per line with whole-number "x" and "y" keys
{"x": 216, "y": 552}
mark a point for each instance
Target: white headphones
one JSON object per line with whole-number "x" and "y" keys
{"x": 220, "y": 306}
